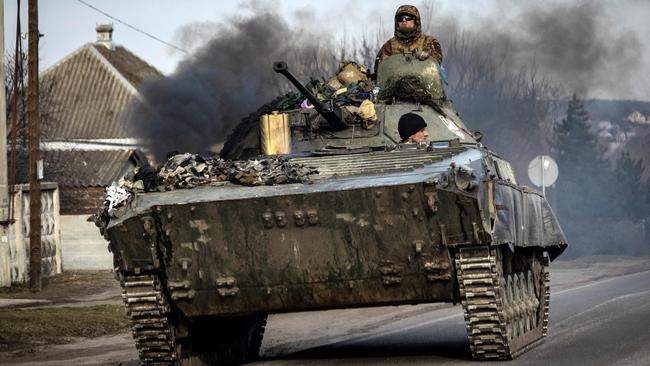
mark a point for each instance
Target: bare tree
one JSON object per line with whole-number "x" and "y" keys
{"x": 18, "y": 134}
{"x": 513, "y": 107}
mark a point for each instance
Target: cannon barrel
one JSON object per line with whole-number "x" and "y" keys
{"x": 331, "y": 113}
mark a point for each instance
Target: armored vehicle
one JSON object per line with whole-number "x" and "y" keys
{"x": 380, "y": 223}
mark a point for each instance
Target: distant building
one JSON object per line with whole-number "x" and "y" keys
{"x": 86, "y": 144}
{"x": 638, "y": 117}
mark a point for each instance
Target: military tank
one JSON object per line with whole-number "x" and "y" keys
{"x": 380, "y": 223}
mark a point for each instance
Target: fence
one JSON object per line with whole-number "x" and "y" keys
{"x": 14, "y": 246}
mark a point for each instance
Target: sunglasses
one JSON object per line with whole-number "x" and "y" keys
{"x": 405, "y": 18}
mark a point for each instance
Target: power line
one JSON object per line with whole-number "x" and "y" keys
{"x": 135, "y": 28}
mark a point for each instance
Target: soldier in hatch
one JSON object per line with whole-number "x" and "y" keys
{"x": 409, "y": 38}
{"x": 412, "y": 129}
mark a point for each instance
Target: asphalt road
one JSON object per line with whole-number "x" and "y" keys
{"x": 606, "y": 322}
{"x": 603, "y": 321}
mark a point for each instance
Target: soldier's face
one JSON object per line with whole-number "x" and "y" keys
{"x": 406, "y": 21}
{"x": 420, "y": 136}
{"x": 403, "y": 23}
{"x": 407, "y": 24}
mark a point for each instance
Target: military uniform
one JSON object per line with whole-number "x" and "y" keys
{"x": 414, "y": 43}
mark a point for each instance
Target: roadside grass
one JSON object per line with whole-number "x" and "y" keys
{"x": 26, "y": 328}
{"x": 69, "y": 286}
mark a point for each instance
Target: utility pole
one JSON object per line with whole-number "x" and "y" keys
{"x": 33, "y": 118}
{"x": 4, "y": 189}
{"x": 5, "y": 272}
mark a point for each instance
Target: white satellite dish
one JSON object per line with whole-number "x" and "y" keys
{"x": 543, "y": 171}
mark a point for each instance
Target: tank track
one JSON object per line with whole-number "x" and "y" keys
{"x": 547, "y": 301}
{"x": 502, "y": 312}
{"x": 147, "y": 309}
{"x": 258, "y": 337}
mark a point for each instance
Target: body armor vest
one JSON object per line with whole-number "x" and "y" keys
{"x": 412, "y": 47}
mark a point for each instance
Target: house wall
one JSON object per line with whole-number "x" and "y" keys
{"x": 83, "y": 246}
{"x": 81, "y": 200}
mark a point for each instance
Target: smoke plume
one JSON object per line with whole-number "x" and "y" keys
{"x": 580, "y": 45}
{"x": 230, "y": 75}
{"x": 227, "y": 78}
{"x": 508, "y": 66}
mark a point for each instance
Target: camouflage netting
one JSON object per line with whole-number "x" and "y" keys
{"x": 192, "y": 170}
{"x": 407, "y": 88}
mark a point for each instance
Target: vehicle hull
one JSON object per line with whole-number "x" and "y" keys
{"x": 343, "y": 241}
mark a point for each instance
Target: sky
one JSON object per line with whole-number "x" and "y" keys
{"x": 69, "y": 24}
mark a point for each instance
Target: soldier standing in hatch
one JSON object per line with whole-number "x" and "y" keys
{"x": 409, "y": 38}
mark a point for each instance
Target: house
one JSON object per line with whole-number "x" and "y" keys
{"x": 86, "y": 144}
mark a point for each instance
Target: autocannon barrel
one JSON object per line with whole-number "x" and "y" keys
{"x": 331, "y": 113}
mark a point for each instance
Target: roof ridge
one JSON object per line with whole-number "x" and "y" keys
{"x": 140, "y": 59}
{"x": 114, "y": 71}
{"x": 64, "y": 59}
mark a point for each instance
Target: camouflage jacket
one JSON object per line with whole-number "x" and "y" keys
{"x": 422, "y": 42}
{"x": 418, "y": 43}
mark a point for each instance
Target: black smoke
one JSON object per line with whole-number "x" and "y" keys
{"x": 573, "y": 45}
{"x": 577, "y": 46}
{"x": 509, "y": 66}
{"x": 226, "y": 79}
{"x": 580, "y": 45}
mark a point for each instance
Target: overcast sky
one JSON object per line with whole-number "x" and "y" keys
{"x": 69, "y": 24}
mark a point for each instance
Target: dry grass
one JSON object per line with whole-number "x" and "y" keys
{"x": 67, "y": 287}
{"x": 25, "y": 328}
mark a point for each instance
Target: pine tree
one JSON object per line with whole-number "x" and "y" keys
{"x": 582, "y": 182}
{"x": 630, "y": 200}
{"x": 584, "y": 186}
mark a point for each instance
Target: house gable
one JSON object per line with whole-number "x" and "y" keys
{"x": 87, "y": 93}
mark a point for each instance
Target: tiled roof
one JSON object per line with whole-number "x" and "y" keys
{"x": 88, "y": 91}
{"x": 88, "y": 168}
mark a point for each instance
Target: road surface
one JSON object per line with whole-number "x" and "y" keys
{"x": 606, "y": 322}
{"x": 600, "y": 315}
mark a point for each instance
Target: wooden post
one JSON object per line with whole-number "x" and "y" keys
{"x": 5, "y": 272}
{"x": 33, "y": 119}
{"x": 4, "y": 185}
